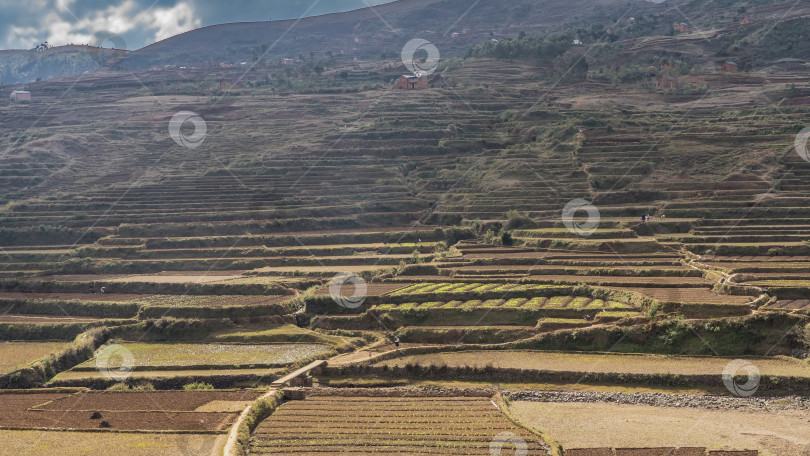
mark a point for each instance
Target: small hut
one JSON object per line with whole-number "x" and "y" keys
{"x": 728, "y": 67}
{"x": 21, "y": 96}
{"x": 412, "y": 82}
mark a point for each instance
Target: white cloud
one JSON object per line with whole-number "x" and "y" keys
{"x": 61, "y": 31}
{"x": 115, "y": 19}
{"x": 64, "y": 5}
{"x": 22, "y": 37}
{"x": 172, "y": 21}
{"x": 54, "y": 21}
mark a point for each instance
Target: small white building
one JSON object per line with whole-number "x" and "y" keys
{"x": 21, "y": 95}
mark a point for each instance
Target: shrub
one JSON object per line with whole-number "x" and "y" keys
{"x": 516, "y": 220}
{"x": 806, "y": 335}
{"x": 123, "y": 386}
{"x": 259, "y": 411}
{"x": 489, "y": 237}
{"x": 197, "y": 386}
{"x": 119, "y": 387}
{"x": 506, "y": 238}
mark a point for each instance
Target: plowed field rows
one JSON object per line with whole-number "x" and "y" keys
{"x": 389, "y": 426}
{"x": 16, "y": 412}
{"x": 689, "y": 295}
{"x": 119, "y": 401}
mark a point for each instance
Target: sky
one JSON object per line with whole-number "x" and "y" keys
{"x": 137, "y": 23}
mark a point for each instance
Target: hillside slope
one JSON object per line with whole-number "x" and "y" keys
{"x": 369, "y": 32}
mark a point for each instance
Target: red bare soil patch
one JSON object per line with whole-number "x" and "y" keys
{"x": 17, "y": 410}
{"x": 144, "y": 421}
{"x": 589, "y": 452}
{"x": 644, "y": 451}
{"x": 177, "y": 401}
{"x": 794, "y": 304}
{"x": 101, "y": 297}
{"x": 46, "y": 319}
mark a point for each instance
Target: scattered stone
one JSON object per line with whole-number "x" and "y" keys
{"x": 668, "y": 400}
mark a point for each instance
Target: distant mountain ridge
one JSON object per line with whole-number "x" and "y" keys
{"x": 454, "y": 26}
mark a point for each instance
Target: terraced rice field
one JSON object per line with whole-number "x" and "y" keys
{"x": 147, "y": 355}
{"x": 462, "y": 287}
{"x": 387, "y": 426}
{"x": 690, "y": 295}
{"x": 791, "y": 304}
{"x": 374, "y": 289}
{"x": 212, "y": 301}
{"x": 230, "y": 233}
{"x": 15, "y": 355}
{"x": 75, "y": 377}
{"x": 37, "y": 319}
{"x": 601, "y": 363}
{"x": 599, "y": 425}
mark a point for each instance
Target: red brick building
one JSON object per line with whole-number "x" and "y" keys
{"x": 412, "y": 82}
{"x": 728, "y": 67}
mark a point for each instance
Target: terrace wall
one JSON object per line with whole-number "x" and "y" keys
{"x": 767, "y": 383}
